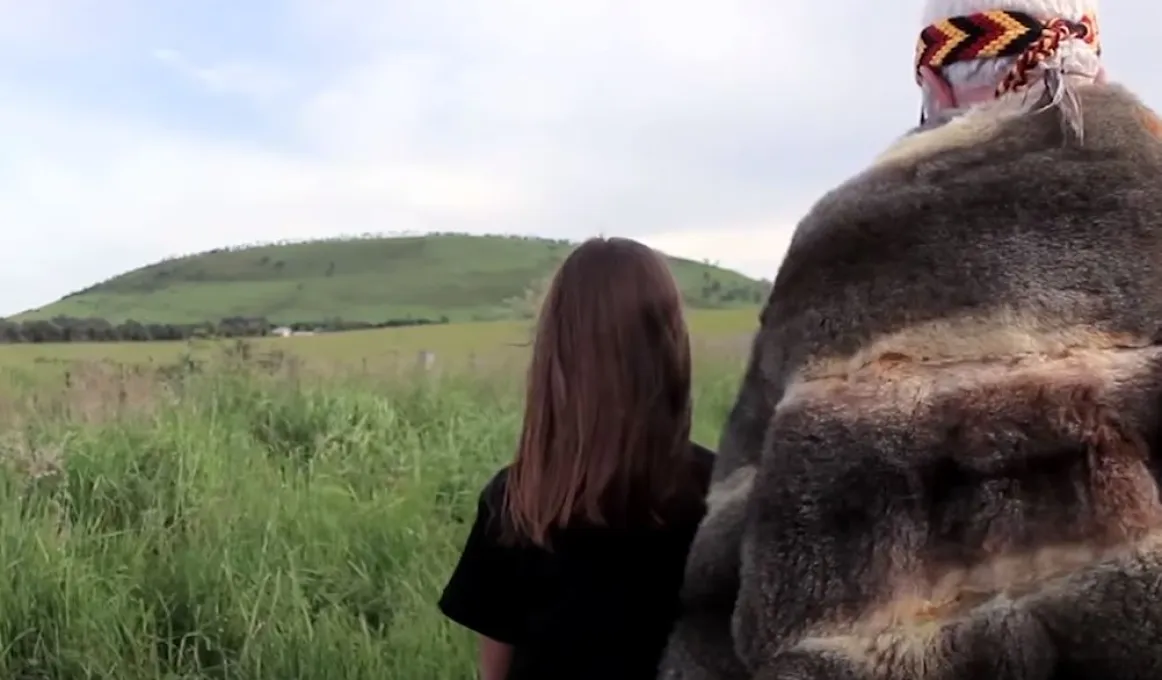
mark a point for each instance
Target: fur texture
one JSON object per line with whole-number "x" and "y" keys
{"x": 941, "y": 461}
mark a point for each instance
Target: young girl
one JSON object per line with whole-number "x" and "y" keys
{"x": 573, "y": 566}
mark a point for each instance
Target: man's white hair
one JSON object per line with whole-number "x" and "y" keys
{"x": 1075, "y": 60}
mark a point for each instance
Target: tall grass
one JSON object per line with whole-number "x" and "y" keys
{"x": 235, "y": 524}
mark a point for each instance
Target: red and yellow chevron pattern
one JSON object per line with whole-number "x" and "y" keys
{"x": 994, "y": 34}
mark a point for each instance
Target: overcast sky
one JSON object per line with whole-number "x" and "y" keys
{"x": 138, "y": 129}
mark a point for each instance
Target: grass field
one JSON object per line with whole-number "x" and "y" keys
{"x": 243, "y": 521}
{"x": 458, "y": 276}
{"x": 497, "y": 344}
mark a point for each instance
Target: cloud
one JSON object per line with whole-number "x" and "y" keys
{"x": 745, "y": 247}
{"x": 61, "y": 28}
{"x": 136, "y": 130}
{"x": 252, "y": 80}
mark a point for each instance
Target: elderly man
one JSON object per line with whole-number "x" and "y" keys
{"x": 941, "y": 461}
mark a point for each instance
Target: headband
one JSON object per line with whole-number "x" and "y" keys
{"x": 1000, "y": 33}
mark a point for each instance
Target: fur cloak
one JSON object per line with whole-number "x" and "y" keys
{"x": 940, "y": 463}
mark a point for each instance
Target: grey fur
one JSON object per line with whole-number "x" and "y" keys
{"x": 701, "y": 645}
{"x": 956, "y": 371}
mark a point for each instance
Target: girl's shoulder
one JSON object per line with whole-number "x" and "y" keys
{"x": 702, "y": 455}
{"x": 703, "y": 459}
{"x": 492, "y": 495}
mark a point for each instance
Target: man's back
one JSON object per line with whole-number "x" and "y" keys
{"x": 1018, "y": 238}
{"x": 950, "y": 419}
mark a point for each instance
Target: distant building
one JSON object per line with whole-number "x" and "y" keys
{"x": 287, "y": 331}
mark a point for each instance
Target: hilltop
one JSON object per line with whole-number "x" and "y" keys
{"x": 443, "y": 276}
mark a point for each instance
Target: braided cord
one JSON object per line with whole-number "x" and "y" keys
{"x": 1001, "y": 33}
{"x": 1047, "y": 45}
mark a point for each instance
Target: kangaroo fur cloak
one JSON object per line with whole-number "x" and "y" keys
{"x": 941, "y": 463}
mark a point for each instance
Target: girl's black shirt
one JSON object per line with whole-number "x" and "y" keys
{"x": 600, "y": 606}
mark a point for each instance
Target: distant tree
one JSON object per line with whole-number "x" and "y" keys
{"x": 528, "y": 304}
{"x": 11, "y": 331}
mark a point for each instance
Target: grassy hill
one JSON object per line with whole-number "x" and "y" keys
{"x": 460, "y": 277}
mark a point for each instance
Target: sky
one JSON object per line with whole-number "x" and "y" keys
{"x": 135, "y": 130}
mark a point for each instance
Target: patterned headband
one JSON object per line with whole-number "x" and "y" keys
{"x": 988, "y": 35}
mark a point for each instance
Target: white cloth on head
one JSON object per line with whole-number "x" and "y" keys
{"x": 936, "y": 10}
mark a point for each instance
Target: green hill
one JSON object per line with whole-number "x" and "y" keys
{"x": 371, "y": 279}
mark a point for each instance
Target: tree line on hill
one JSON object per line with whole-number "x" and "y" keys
{"x": 72, "y": 329}
{"x": 742, "y": 292}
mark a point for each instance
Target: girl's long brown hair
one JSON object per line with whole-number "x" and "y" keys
{"x": 605, "y": 438}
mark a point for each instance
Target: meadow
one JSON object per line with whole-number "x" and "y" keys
{"x": 286, "y": 508}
